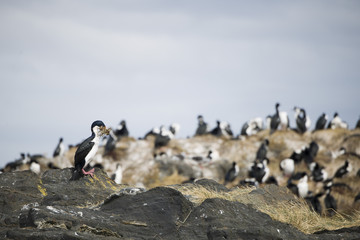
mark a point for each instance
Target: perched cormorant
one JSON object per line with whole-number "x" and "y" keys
{"x": 321, "y": 122}
{"x": 318, "y": 172}
{"x": 314, "y": 202}
{"x": 87, "y": 150}
{"x": 344, "y": 169}
{"x": 262, "y": 151}
{"x": 202, "y": 128}
{"x": 260, "y": 171}
{"x": 232, "y": 173}
{"x": 330, "y": 202}
{"x": 337, "y": 122}
{"x": 302, "y": 120}
{"x": 217, "y": 130}
{"x": 275, "y": 119}
{"x": 121, "y": 130}
{"x": 60, "y": 148}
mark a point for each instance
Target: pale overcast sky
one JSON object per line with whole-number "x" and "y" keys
{"x": 64, "y": 64}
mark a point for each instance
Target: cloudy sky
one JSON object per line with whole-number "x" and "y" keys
{"x": 64, "y": 64}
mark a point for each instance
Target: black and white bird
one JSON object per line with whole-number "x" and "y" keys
{"x": 275, "y": 119}
{"x": 60, "y": 148}
{"x": 262, "y": 151}
{"x": 297, "y": 155}
{"x": 303, "y": 122}
{"x": 252, "y": 127}
{"x": 202, "y": 128}
{"x": 217, "y": 130}
{"x": 153, "y": 132}
{"x": 249, "y": 182}
{"x": 245, "y": 129}
{"x": 344, "y": 169}
{"x": 226, "y": 129}
{"x": 222, "y": 129}
{"x": 314, "y": 202}
{"x": 35, "y": 167}
{"x": 117, "y": 176}
{"x": 318, "y": 172}
{"x": 303, "y": 187}
{"x": 330, "y": 202}
{"x": 287, "y": 166}
{"x": 163, "y": 138}
{"x": 211, "y": 155}
{"x": 279, "y": 119}
{"x": 337, "y": 122}
{"x": 298, "y": 184}
{"x": 260, "y": 171}
{"x": 310, "y": 152}
{"x": 232, "y": 173}
{"x": 14, "y": 165}
{"x": 121, "y": 130}
{"x": 321, "y": 122}
{"x": 87, "y": 150}
{"x": 174, "y": 129}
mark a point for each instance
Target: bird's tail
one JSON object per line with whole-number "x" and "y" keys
{"x": 76, "y": 175}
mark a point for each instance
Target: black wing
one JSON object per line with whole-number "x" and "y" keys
{"x": 82, "y": 151}
{"x": 57, "y": 150}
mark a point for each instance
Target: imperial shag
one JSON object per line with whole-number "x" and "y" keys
{"x": 87, "y": 150}
{"x": 232, "y": 173}
{"x": 59, "y": 150}
{"x": 321, "y": 122}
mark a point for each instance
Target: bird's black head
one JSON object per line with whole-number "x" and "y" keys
{"x": 200, "y": 117}
{"x": 97, "y": 123}
{"x": 61, "y": 139}
{"x": 99, "y": 128}
{"x": 266, "y": 141}
{"x": 336, "y": 114}
{"x": 277, "y": 105}
{"x": 122, "y": 123}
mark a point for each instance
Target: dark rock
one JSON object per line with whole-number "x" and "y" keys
{"x": 52, "y": 207}
{"x": 274, "y": 194}
{"x": 344, "y": 233}
{"x": 86, "y": 191}
{"x": 211, "y": 185}
{"x": 222, "y": 219}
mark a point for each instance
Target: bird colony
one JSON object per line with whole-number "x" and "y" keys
{"x": 320, "y": 165}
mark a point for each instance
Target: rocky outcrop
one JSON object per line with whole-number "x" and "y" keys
{"x": 52, "y": 207}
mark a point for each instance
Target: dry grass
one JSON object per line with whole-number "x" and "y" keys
{"x": 199, "y": 193}
{"x": 298, "y": 214}
{"x": 154, "y": 180}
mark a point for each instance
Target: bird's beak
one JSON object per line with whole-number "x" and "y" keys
{"x": 104, "y": 130}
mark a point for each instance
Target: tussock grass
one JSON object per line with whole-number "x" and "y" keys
{"x": 296, "y": 213}
{"x": 300, "y": 216}
{"x": 154, "y": 180}
{"x": 199, "y": 193}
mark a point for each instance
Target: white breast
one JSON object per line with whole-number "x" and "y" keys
{"x": 118, "y": 175}
{"x": 93, "y": 151}
{"x": 303, "y": 187}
